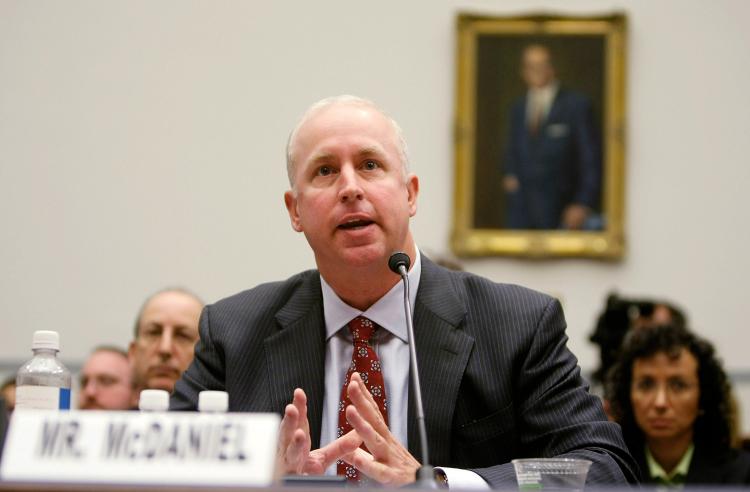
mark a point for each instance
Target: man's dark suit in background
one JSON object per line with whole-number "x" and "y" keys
{"x": 498, "y": 380}
{"x": 552, "y": 168}
{"x": 557, "y": 165}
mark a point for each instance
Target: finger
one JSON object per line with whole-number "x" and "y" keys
{"x": 296, "y": 452}
{"x": 289, "y": 424}
{"x": 367, "y": 464}
{"x": 300, "y": 403}
{"x": 391, "y": 474}
{"x": 357, "y": 379}
{"x": 366, "y": 392}
{"x": 376, "y": 442}
{"x": 286, "y": 434}
{"x": 343, "y": 446}
{"x": 361, "y": 396}
{"x": 365, "y": 404}
{"x": 294, "y": 435}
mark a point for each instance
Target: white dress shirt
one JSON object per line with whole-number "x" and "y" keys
{"x": 540, "y": 101}
{"x": 391, "y": 346}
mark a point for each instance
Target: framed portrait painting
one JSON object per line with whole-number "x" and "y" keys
{"x": 539, "y": 143}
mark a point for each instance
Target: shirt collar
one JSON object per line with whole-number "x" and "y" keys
{"x": 387, "y": 312}
{"x": 677, "y": 476}
{"x": 545, "y": 94}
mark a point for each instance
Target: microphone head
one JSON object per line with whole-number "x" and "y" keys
{"x": 397, "y": 260}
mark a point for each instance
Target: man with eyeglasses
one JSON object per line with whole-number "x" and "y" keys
{"x": 166, "y": 332}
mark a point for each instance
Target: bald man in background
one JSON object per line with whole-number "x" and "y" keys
{"x": 166, "y": 332}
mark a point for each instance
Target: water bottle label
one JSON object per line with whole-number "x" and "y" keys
{"x": 64, "y": 399}
{"x": 43, "y": 397}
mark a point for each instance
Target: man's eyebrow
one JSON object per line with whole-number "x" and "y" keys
{"x": 370, "y": 152}
{"x": 322, "y": 157}
{"x": 326, "y": 157}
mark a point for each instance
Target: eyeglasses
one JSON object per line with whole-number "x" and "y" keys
{"x": 153, "y": 335}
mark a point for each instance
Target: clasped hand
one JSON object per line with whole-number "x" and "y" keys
{"x": 386, "y": 460}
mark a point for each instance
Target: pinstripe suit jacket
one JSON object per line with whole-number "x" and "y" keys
{"x": 498, "y": 381}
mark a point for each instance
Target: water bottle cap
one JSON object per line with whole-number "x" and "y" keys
{"x": 45, "y": 339}
{"x": 213, "y": 401}
{"x": 154, "y": 400}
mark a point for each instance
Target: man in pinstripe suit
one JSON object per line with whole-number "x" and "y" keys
{"x": 498, "y": 380}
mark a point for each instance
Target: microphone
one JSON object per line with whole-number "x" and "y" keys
{"x": 399, "y": 263}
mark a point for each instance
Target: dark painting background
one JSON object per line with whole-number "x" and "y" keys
{"x": 579, "y": 64}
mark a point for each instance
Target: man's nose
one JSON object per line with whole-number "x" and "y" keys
{"x": 90, "y": 388}
{"x": 350, "y": 186}
{"x": 165, "y": 342}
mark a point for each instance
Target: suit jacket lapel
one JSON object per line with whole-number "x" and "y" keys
{"x": 443, "y": 351}
{"x": 553, "y": 109}
{"x": 296, "y": 353}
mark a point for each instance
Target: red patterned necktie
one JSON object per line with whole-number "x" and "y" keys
{"x": 364, "y": 361}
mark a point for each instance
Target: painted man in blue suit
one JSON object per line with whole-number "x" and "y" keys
{"x": 552, "y": 173}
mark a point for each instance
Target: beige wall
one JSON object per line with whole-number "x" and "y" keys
{"x": 141, "y": 145}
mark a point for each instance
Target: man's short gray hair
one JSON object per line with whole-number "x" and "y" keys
{"x": 343, "y": 100}
{"x": 179, "y": 290}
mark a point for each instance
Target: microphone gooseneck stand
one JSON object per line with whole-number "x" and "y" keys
{"x": 399, "y": 263}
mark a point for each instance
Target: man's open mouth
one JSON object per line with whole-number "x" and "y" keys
{"x": 355, "y": 224}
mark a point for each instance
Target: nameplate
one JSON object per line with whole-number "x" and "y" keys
{"x": 135, "y": 447}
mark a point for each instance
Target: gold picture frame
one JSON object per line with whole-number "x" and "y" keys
{"x": 495, "y": 69}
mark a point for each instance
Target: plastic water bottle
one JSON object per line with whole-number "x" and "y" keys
{"x": 43, "y": 382}
{"x": 213, "y": 402}
{"x": 152, "y": 400}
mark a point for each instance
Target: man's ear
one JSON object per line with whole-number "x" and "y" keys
{"x": 412, "y": 190}
{"x": 291, "y": 207}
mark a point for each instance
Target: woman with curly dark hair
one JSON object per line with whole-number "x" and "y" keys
{"x": 672, "y": 398}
